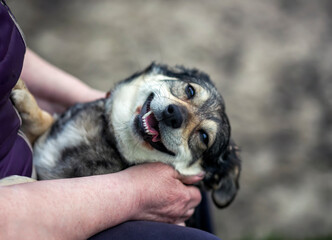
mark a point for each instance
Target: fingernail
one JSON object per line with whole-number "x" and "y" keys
{"x": 201, "y": 174}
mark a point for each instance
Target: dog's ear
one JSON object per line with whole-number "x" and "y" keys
{"x": 229, "y": 183}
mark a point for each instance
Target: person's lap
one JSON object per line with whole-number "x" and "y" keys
{"x": 136, "y": 230}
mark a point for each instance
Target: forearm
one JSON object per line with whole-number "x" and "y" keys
{"x": 49, "y": 82}
{"x": 66, "y": 209}
{"x": 77, "y": 208}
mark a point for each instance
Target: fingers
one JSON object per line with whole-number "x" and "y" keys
{"x": 169, "y": 199}
{"x": 182, "y": 224}
{"x": 194, "y": 196}
{"x": 189, "y": 213}
{"x": 189, "y": 180}
{"x": 186, "y": 216}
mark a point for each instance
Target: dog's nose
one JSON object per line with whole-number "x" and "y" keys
{"x": 172, "y": 116}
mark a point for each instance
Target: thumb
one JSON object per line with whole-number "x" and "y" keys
{"x": 191, "y": 179}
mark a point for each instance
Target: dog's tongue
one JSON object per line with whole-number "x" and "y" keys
{"x": 152, "y": 124}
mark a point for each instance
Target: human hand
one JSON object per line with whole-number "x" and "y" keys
{"x": 51, "y": 106}
{"x": 162, "y": 194}
{"x": 54, "y": 89}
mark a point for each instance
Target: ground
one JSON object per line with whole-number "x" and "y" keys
{"x": 271, "y": 60}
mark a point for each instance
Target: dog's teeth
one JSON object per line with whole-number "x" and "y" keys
{"x": 147, "y": 114}
{"x": 145, "y": 124}
{"x": 147, "y": 130}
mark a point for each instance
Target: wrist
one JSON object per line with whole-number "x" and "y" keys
{"x": 132, "y": 191}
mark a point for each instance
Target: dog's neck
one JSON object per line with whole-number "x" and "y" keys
{"x": 107, "y": 130}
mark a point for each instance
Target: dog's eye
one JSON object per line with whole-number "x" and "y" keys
{"x": 204, "y": 137}
{"x": 190, "y": 91}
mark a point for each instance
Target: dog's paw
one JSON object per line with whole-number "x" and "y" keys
{"x": 21, "y": 99}
{"x": 35, "y": 121}
{"x": 25, "y": 104}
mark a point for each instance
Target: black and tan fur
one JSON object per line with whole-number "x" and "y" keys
{"x": 162, "y": 114}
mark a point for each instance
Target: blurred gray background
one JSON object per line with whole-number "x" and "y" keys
{"x": 272, "y": 62}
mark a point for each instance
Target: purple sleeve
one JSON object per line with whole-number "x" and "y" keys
{"x": 15, "y": 153}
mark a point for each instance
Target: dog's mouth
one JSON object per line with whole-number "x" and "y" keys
{"x": 148, "y": 127}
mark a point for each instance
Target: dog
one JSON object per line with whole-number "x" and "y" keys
{"x": 173, "y": 115}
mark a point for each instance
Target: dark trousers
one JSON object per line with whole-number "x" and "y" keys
{"x": 143, "y": 230}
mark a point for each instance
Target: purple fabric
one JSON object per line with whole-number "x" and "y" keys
{"x": 15, "y": 154}
{"x": 152, "y": 231}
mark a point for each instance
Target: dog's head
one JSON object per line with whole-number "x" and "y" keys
{"x": 176, "y": 116}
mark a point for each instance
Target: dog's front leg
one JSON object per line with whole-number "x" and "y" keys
{"x": 35, "y": 121}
